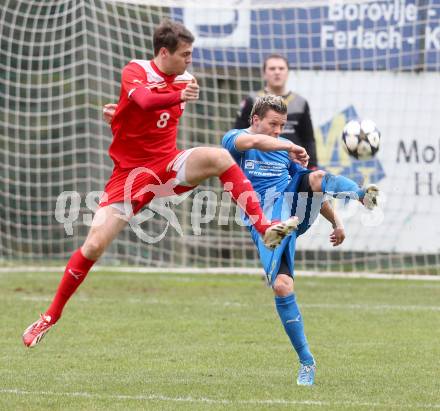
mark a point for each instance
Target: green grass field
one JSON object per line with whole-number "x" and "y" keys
{"x": 214, "y": 342}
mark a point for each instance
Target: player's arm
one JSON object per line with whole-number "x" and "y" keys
{"x": 148, "y": 101}
{"x": 329, "y": 213}
{"x": 262, "y": 142}
{"x": 135, "y": 84}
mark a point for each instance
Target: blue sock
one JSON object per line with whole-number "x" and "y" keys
{"x": 335, "y": 185}
{"x": 292, "y": 321}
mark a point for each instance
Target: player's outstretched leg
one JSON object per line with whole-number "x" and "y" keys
{"x": 205, "y": 162}
{"x": 338, "y": 186}
{"x": 291, "y": 318}
{"x": 106, "y": 225}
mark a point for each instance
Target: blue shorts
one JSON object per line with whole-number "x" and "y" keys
{"x": 290, "y": 204}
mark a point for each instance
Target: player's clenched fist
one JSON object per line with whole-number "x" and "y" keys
{"x": 337, "y": 236}
{"x": 108, "y": 111}
{"x": 191, "y": 92}
{"x": 299, "y": 155}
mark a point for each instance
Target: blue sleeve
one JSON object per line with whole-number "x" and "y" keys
{"x": 228, "y": 142}
{"x": 295, "y": 168}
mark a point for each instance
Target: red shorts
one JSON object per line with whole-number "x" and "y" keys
{"x": 139, "y": 185}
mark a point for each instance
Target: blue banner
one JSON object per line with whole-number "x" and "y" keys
{"x": 381, "y": 35}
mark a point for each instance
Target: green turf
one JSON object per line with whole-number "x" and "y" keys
{"x": 200, "y": 342}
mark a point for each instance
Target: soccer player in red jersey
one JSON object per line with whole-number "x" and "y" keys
{"x": 147, "y": 163}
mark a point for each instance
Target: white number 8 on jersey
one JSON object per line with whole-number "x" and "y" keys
{"x": 163, "y": 120}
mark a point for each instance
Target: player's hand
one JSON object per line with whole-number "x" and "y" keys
{"x": 108, "y": 111}
{"x": 299, "y": 155}
{"x": 191, "y": 92}
{"x": 337, "y": 236}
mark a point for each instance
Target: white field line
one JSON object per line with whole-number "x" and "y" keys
{"x": 164, "y": 398}
{"x": 380, "y": 307}
{"x": 234, "y": 304}
{"x": 223, "y": 270}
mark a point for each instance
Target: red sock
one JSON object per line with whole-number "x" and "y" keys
{"x": 75, "y": 273}
{"x": 236, "y": 183}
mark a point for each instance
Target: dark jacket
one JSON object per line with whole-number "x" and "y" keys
{"x": 298, "y": 129}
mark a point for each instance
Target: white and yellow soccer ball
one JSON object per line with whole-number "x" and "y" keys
{"x": 361, "y": 139}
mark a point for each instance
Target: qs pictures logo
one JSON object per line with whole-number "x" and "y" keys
{"x": 333, "y": 158}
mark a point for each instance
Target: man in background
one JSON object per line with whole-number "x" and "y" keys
{"x": 299, "y": 128}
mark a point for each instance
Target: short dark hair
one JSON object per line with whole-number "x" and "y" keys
{"x": 275, "y": 56}
{"x": 268, "y": 102}
{"x": 168, "y": 34}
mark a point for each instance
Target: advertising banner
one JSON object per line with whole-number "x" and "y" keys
{"x": 368, "y": 35}
{"x": 406, "y": 109}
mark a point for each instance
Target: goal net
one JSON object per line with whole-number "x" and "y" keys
{"x": 61, "y": 61}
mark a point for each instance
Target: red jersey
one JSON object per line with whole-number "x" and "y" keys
{"x": 140, "y": 137}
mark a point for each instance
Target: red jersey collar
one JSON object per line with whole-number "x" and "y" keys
{"x": 168, "y": 78}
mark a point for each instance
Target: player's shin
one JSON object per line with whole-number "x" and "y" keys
{"x": 241, "y": 190}
{"x": 76, "y": 271}
{"x": 292, "y": 321}
{"x": 337, "y": 185}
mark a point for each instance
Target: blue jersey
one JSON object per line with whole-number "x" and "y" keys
{"x": 272, "y": 174}
{"x": 269, "y": 172}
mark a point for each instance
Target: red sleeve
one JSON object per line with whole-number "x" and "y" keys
{"x": 133, "y": 77}
{"x": 148, "y": 101}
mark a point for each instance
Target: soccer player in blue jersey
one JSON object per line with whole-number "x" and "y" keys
{"x": 278, "y": 177}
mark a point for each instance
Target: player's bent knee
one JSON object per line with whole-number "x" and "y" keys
{"x": 223, "y": 155}
{"x": 222, "y": 159}
{"x": 93, "y": 248}
{"x": 281, "y": 290}
{"x": 315, "y": 180}
{"x": 283, "y": 286}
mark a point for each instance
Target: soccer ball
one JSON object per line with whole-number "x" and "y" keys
{"x": 361, "y": 139}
